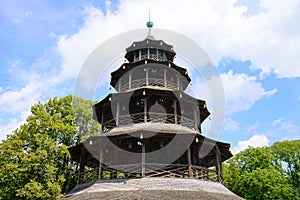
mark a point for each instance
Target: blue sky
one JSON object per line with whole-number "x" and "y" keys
{"x": 254, "y": 44}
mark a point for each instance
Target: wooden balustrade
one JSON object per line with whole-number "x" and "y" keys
{"x": 155, "y": 82}
{"x": 151, "y": 170}
{"x": 151, "y": 117}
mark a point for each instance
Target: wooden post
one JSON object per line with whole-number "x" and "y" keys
{"x": 117, "y": 113}
{"x": 129, "y": 79}
{"x": 81, "y": 166}
{"x": 120, "y": 84}
{"x": 218, "y": 163}
{"x": 140, "y": 54}
{"x": 143, "y": 157}
{"x": 178, "y": 83}
{"x": 147, "y": 76}
{"x": 145, "y": 109}
{"x": 102, "y": 120}
{"x": 100, "y": 163}
{"x": 195, "y": 117}
{"x": 165, "y": 78}
{"x": 189, "y": 162}
{"x": 175, "y": 112}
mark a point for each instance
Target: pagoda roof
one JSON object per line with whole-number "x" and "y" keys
{"x": 151, "y": 127}
{"x": 152, "y": 188}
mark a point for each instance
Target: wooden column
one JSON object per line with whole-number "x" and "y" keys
{"x": 147, "y": 76}
{"x": 219, "y": 164}
{"x": 165, "y": 78}
{"x": 120, "y": 84}
{"x": 100, "y": 163}
{"x": 145, "y": 109}
{"x": 117, "y": 113}
{"x": 189, "y": 162}
{"x": 196, "y": 117}
{"x": 175, "y": 112}
{"x": 140, "y": 54}
{"x": 82, "y": 165}
{"x": 143, "y": 157}
{"x": 102, "y": 120}
{"x": 129, "y": 79}
{"x": 178, "y": 82}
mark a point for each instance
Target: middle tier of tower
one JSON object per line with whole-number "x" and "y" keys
{"x": 150, "y": 105}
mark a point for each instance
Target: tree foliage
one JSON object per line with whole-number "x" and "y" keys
{"x": 265, "y": 173}
{"x": 34, "y": 161}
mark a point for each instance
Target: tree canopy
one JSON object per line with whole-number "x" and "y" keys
{"x": 265, "y": 173}
{"x": 34, "y": 161}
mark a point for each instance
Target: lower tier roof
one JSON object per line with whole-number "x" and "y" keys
{"x": 151, "y": 188}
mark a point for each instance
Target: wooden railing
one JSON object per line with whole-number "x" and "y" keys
{"x": 151, "y": 117}
{"x": 156, "y": 82}
{"x": 151, "y": 170}
{"x": 151, "y": 56}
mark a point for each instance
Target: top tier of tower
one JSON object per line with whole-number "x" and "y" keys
{"x": 150, "y": 65}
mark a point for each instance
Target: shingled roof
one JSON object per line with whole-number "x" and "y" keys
{"x": 151, "y": 188}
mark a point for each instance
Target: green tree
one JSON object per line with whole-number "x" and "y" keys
{"x": 256, "y": 173}
{"x": 288, "y": 154}
{"x": 34, "y": 161}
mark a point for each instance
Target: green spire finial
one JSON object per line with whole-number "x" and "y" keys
{"x": 149, "y": 24}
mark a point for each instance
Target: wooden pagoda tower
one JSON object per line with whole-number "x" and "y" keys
{"x": 150, "y": 126}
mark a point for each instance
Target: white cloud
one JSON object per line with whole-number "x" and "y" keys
{"x": 277, "y": 121}
{"x": 252, "y": 128}
{"x": 230, "y": 125}
{"x": 242, "y": 91}
{"x": 254, "y": 141}
{"x": 270, "y": 92}
{"x": 286, "y": 126}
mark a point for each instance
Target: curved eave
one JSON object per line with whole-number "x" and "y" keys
{"x": 117, "y": 74}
